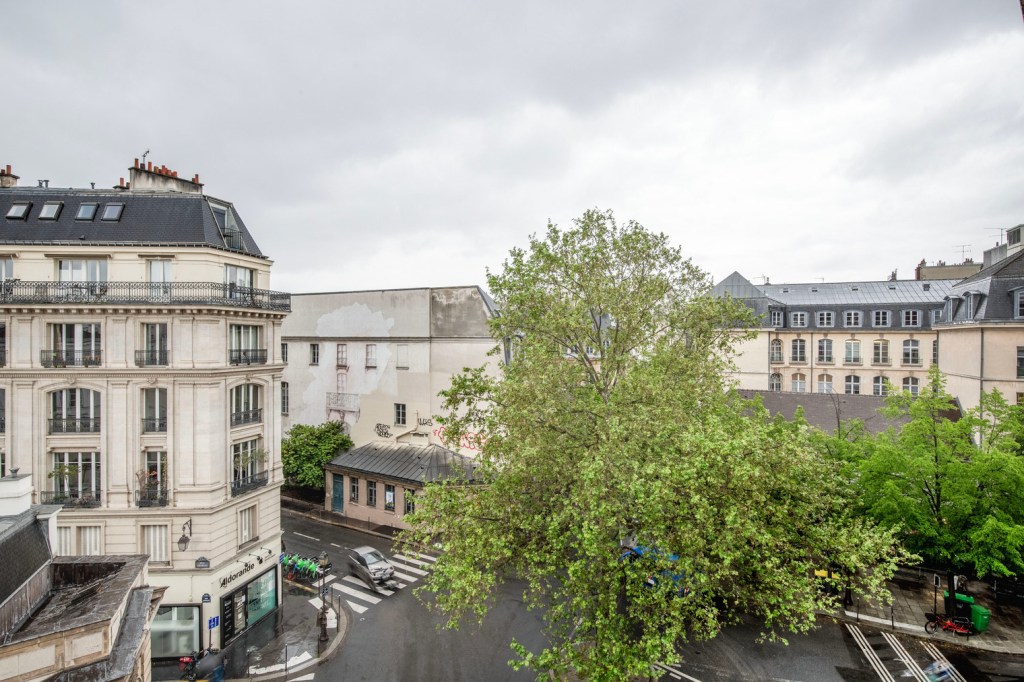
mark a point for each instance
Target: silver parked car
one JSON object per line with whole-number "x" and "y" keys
{"x": 370, "y": 565}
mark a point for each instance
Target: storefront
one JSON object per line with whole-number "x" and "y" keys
{"x": 247, "y": 605}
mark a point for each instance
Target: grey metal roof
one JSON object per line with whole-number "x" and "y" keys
{"x": 24, "y": 541}
{"x": 406, "y": 462}
{"x": 820, "y": 409}
{"x": 149, "y": 217}
{"x": 860, "y": 293}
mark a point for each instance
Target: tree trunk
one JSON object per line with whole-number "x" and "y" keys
{"x": 951, "y": 589}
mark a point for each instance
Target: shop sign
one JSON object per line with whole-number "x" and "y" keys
{"x": 231, "y": 577}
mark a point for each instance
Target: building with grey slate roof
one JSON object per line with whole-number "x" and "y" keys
{"x": 376, "y": 484}
{"x": 140, "y": 381}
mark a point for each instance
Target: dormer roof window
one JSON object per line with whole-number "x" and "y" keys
{"x": 86, "y": 211}
{"x": 112, "y": 212}
{"x": 18, "y": 210}
{"x": 50, "y": 210}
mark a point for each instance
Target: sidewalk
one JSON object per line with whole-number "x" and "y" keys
{"x": 912, "y": 600}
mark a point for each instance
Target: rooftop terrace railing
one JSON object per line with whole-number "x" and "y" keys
{"x": 143, "y": 293}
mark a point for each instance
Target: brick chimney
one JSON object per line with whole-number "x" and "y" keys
{"x": 161, "y": 178}
{"x": 7, "y": 178}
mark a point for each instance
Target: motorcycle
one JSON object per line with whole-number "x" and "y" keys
{"x": 187, "y": 664}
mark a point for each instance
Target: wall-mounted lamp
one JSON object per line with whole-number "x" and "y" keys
{"x": 183, "y": 540}
{"x": 259, "y": 559}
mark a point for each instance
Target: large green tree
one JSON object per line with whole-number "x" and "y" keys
{"x": 952, "y": 484}
{"x": 305, "y": 450}
{"x": 612, "y": 425}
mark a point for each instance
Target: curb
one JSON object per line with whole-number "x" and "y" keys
{"x": 334, "y": 521}
{"x": 976, "y": 642}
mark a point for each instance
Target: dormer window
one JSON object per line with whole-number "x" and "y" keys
{"x": 87, "y": 211}
{"x": 112, "y": 212}
{"x": 50, "y": 210}
{"x": 19, "y": 210}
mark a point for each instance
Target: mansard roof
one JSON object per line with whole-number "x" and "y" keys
{"x": 898, "y": 292}
{"x": 149, "y": 217}
{"x": 420, "y": 464}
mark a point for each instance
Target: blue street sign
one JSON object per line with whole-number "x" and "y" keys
{"x": 206, "y": 598}
{"x": 214, "y": 622}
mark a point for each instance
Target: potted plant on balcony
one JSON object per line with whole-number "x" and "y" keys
{"x": 63, "y": 474}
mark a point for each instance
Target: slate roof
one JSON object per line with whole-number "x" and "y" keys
{"x": 21, "y": 537}
{"x": 996, "y": 284}
{"x": 419, "y": 464}
{"x": 820, "y": 408}
{"x": 860, "y": 293}
{"x": 149, "y": 217}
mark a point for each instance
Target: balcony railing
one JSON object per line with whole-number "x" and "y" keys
{"x": 155, "y": 496}
{"x": 154, "y": 425}
{"x": 80, "y": 425}
{"x": 243, "y": 484}
{"x": 3, "y": 357}
{"x": 151, "y": 358}
{"x": 71, "y": 498}
{"x": 255, "y": 356}
{"x": 247, "y": 417}
{"x": 142, "y": 293}
{"x": 70, "y": 358}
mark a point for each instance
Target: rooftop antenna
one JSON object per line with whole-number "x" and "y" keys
{"x": 964, "y": 249}
{"x": 1000, "y": 230}
{"x": 144, "y": 155}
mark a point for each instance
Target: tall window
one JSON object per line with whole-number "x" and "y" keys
{"x": 371, "y": 355}
{"x": 245, "y": 347}
{"x": 353, "y": 489}
{"x": 824, "y": 350}
{"x": 852, "y": 351}
{"x": 239, "y": 281}
{"x": 1018, "y": 304}
{"x": 76, "y": 475}
{"x": 912, "y": 385}
{"x": 154, "y": 345}
{"x": 371, "y": 493}
{"x": 314, "y": 353}
{"x": 935, "y": 351}
{"x": 880, "y": 352}
{"x": 911, "y": 318}
{"x": 75, "y": 410}
{"x": 880, "y": 318}
{"x": 153, "y": 480}
{"x": 342, "y": 360}
{"x": 826, "y": 318}
{"x": 402, "y": 356}
{"x": 879, "y": 386}
{"x": 154, "y": 410}
{"x": 776, "y": 318}
{"x": 245, "y": 405}
{"x": 156, "y": 542}
{"x": 1020, "y": 362}
{"x": 245, "y": 461}
{"x": 798, "y": 350}
{"x": 799, "y": 383}
{"x": 90, "y": 540}
{"x": 82, "y": 270}
{"x": 775, "y": 382}
{"x": 410, "y": 500}
{"x": 74, "y": 345}
{"x": 798, "y": 319}
{"x": 389, "y": 497}
{"x": 852, "y": 384}
{"x": 284, "y": 397}
{"x": 248, "y": 525}
{"x": 158, "y": 272}
{"x": 852, "y": 318}
{"x": 824, "y": 383}
{"x": 911, "y": 352}
{"x": 6, "y": 267}
{"x": 937, "y": 316}
{"x": 969, "y": 307}
{"x": 399, "y": 414}
{"x": 775, "y": 350}
{"x": 284, "y": 352}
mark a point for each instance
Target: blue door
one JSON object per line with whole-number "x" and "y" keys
{"x": 337, "y": 492}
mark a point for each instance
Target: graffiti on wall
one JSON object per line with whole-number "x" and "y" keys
{"x": 469, "y": 440}
{"x": 426, "y": 422}
{"x": 383, "y": 430}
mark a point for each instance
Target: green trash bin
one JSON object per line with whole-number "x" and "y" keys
{"x": 979, "y": 618}
{"x": 963, "y": 605}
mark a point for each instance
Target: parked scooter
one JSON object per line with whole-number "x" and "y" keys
{"x": 188, "y": 665}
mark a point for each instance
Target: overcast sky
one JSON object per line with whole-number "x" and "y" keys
{"x": 378, "y": 145}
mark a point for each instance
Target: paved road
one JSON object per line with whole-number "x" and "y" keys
{"x": 393, "y": 636}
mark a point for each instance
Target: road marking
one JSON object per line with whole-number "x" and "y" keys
{"x": 938, "y": 656}
{"x": 358, "y": 608}
{"x": 308, "y": 537}
{"x": 869, "y": 653}
{"x": 417, "y": 571}
{"x": 334, "y": 544}
{"x": 330, "y": 577}
{"x": 410, "y": 560}
{"x": 405, "y": 576}
{"x": 358, "y": 594}
{"x": 907, "y": 659}
{"x": 675, "y": 674}
{"x": 425, "y": 557}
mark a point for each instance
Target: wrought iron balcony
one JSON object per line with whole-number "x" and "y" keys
{"x": 151, "y": 496}
{"x": 255, "y": 356}
{"x": 80, "y": 425}
{"x": 151, "y": 358}
{"x": 70, "y": 358}
{"x": 3, "y": 357}
{"x": 143, "y": 293}
{"x": 71, "y": 498}
{"x": 247, "y": 417}
{"x": 154, "y": 425}
{"x": 243, "y": 484}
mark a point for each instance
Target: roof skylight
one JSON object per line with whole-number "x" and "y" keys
{"x": 50, "y": 210}
{"x": 86, "y": 211}
{"x": 19, "y": 210}
{"x": 112, "y": 212}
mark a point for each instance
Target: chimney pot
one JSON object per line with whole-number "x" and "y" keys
{"x": 136, "y": 162}
{"x": 120, "y": 183}
{"x": 149, "y": 166}
{"x": 174, "y": 174}
{"x": 127, "y": 185}
{"x": 8, "y": 169}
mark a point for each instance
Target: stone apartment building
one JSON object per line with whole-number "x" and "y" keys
{"x": 139, "y": 386}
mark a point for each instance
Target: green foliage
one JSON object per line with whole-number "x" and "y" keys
{"x": 306, "y": 449}
{"x": 612, "y": 422}
{"x": 955, "y": 503}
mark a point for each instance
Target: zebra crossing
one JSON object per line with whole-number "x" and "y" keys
{"x": 410, "y": 567}
{"x": 890, "y": 659}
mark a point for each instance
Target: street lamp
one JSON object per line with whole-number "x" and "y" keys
{"x": 323, "y": 596}
{"x": 183, "y": 540}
